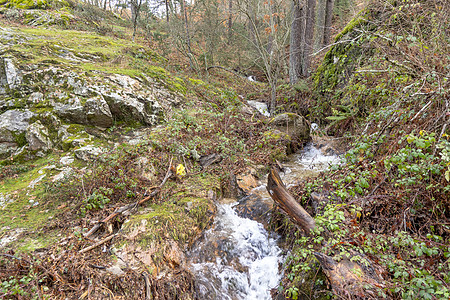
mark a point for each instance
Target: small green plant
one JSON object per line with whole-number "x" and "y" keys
{"x": 97, "y": 199}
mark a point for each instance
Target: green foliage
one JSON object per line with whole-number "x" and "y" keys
{"x": 97, "y": 199}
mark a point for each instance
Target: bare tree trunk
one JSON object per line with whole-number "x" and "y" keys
{"x": 135, "y": 9}
{"x": 187, "y": 35}
{"x": 309, "y": 36}
{"x": 320, "y": 24}
{"x": 230, "y": 20}
{"x": 328, "y": 21}
{"x": 167, "y": 10}
{"x": 296, "y": 41}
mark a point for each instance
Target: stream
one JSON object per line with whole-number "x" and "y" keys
{"x": 238, "y": 258}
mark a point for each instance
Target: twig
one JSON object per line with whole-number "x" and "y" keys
{"x": 108, "y": 238}
{"x": 420, "y": 111}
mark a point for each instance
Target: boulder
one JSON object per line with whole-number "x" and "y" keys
{"x": 71, "y": 111}
{"x": 127, "y": 106}
{"x": 38, "y": 137}
{"x": 97, "y": 112}
{"x": 13, "y": 125}
{"x": 88, "y": 152}
{"x": 294, "y": 125}
{"x": 10, "y": 76}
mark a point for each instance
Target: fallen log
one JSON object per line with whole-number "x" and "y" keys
{"x": 277, "y": 190}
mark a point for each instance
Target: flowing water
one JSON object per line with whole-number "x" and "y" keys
{"x": 237, "y": 258}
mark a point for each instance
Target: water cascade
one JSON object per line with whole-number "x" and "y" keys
{"x": 237, "y": 258}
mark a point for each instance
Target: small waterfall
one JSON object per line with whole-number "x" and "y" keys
{"x": 248, "y": 265}
{"x": 237, "y": 258}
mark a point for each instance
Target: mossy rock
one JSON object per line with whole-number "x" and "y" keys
{"x": 351, "y": 50}
{"x": 26, "y": 4}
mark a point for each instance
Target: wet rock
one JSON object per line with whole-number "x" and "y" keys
{"x": 254, "y": 208}
{"x": 88, "y": 152}
{"x": 38, "y": 137}
{"x": 10, "y": 77}
{"x": 247, "y": 180}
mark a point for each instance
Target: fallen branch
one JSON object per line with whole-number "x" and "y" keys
{"x": 148, "y": 291}
{"x": 108, "y": 238}
{"x": 277, "y": 190}
{"x": 125, "y": 208}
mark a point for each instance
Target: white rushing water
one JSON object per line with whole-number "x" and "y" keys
{"x": 249, "y": 265}
{"x": 238, "y": 258}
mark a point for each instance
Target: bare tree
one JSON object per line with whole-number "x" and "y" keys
{"x": 135, "y": 10}
{"x": 328, "y": 21}
{"x": 302, "y": 39}
{"x": 269, "y": 40}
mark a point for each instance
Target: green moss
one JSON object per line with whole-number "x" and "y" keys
{"x": 342, "y": 58}
{"x": 20, "y": 138}
{"x": 26, "y": 4}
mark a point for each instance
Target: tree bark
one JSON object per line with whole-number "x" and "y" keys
{"x": 277, "y": 190}
{"x": 296, "y": 41}
{"x": 167, "y": 10}
{"x": 328, "y": 21}
{"x": 230, "y": 21}
{"x": 320, "y": 23}
{"x": 309, "y": 35}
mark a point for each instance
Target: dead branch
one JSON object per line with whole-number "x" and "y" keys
{"x": 108, "y": 238}
{"x": 277, "y": 190}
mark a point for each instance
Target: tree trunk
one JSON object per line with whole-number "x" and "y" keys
{"x": 320, "y": 24}
{"x": 296, "y": 41}
{"x": 187, "y": 35}
{"x": 167, "y": 10}
{"x": 135, "y": 8}
{"x": 230, "y": 21}
{"x": 309, "y": 35}
{"x": 328, "y": 22}
{"x": 279, "y": 194}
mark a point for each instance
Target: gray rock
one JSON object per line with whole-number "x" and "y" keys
{"x": 13, "y": 125}
{"x": 97, "y": 112}
{"x": 38, "y": 137}
{"x": 35, "y": 98}
{"x": 88, "y": 152}
{"x": 294, "y": 125}
{"x": 10, "y": 76}
{"x": 71, "y": 111}
{"x": 130, "y": 107}
{"x": 66, "y": 160}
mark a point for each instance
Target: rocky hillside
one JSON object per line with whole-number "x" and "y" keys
{"x": 110, "y": 165}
